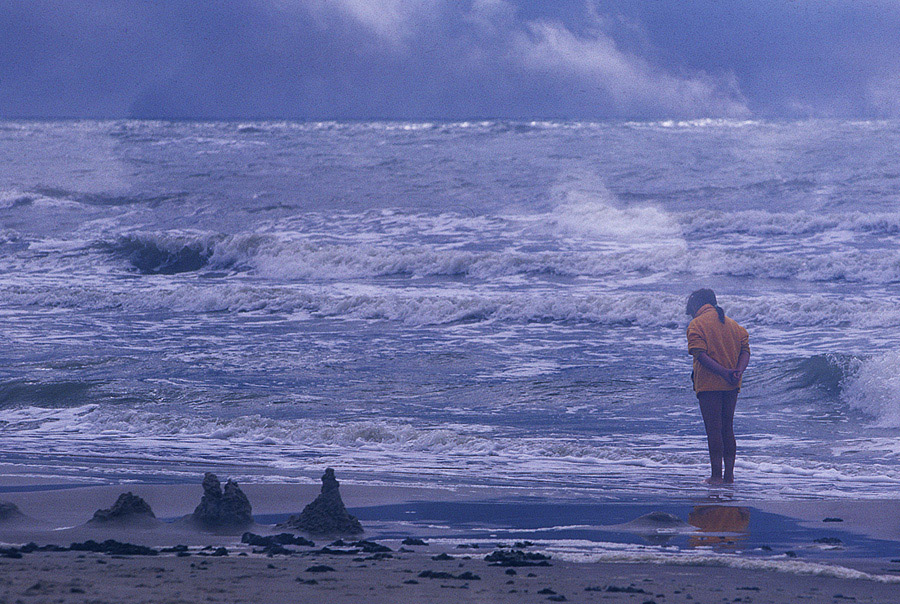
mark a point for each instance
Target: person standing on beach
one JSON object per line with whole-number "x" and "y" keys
{"x": 721, "y": 351}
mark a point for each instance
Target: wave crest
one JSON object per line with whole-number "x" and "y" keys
{"x": 590, "y": 238}
{"x": 173, "y": 253}
{"x": 874, "y": 388}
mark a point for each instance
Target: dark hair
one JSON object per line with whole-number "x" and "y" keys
{"x": 700, "y": 298}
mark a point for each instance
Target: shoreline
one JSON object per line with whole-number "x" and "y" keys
{"x": 56, "y": 505}
{"x": 814, "y": 529}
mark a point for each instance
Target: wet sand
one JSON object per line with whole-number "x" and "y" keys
{"x": 878, "y": 519}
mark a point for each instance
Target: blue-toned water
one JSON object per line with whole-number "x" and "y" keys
{"x": 484, "y": 303}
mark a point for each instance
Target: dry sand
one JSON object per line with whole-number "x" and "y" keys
{"x": 99, "y": 578}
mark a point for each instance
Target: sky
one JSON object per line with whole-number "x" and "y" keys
{"x": 449, "y": 59}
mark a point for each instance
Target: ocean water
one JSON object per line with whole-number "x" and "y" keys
{"x": 465, "y": 304}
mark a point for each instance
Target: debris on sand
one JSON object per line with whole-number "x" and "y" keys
{"x": 280, "y": 539}
{"x": 111, "y": 546}
{"x": 516, "y": 557}
{"x": 414, "y": 541}
{"x": 439, "y": 574}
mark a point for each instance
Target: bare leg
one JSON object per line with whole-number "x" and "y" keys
{"x": 711, "y": 409}
{"x": 729, "y": 401}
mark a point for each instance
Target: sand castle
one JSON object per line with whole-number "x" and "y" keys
{"x": 327, "y": 513}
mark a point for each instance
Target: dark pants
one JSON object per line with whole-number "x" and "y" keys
{"x": 718, "y": 417}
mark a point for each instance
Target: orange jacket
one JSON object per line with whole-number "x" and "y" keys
{"x": 724, "y": 342}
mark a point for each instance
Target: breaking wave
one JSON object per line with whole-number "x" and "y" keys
{"x": 822, "y": 372}
{"x": 873, "y": 387}
{"x": 437, "y": 306}
{"x": 374, "y": 437}
{"x": 273, "y": 258}
{"x": 870, "y": 385}
{"x": 710, "y": 223}
{"x": 601, "y": 240}
{"x": 396, "y": 448}
{"x": 425, "y": 307}
{"x": 160, "y": 255}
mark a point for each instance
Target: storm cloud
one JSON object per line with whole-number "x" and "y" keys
{"x": 447, "y": 59}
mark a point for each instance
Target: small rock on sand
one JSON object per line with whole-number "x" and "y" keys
{"x": 413, "y": 541}
{"x": 516, "y": 557}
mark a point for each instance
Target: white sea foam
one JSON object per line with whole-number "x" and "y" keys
{"x": 423, "y": 306}
{"x": 613, "y": 240}
{"x": 635, "y": 554}
{"x": 9, "y": 236}
{"x": 874, "y": 388}
{"x": 441, "y": 305}
{"x": 417, "y": 451}
{"x": 595, "y": 214}
{"x": 695, "y": 124}
{"x": 761, "y": 223}
{"x": 526, "y": 369}
{"x": 13, "y": 199}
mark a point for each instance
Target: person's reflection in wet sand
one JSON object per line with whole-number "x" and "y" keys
{"x": 719, "y": 519}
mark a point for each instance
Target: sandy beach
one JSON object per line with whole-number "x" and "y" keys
{"x": 188, "y": 565}
{"x": 70, "y": 577}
